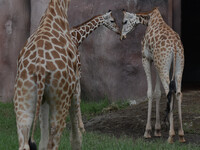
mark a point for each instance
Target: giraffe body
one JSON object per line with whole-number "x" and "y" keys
{"x": 47, "y": 76}
{"x": 162, "y": 46}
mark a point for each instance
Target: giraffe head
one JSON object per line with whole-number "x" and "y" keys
{"x": 130, "y": 21}
{"x": 110, "y": 23}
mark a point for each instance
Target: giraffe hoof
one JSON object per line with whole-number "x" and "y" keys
{"x": 147, "y": 134}
{"x": 181, "y": 139}
{"x": 157, "y": 133}
{"x": 170, "y": 139}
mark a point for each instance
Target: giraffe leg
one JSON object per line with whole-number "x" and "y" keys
{"x": 24, "y": 105}
{"x": 178, "y": 77}
{"x": 23, "y": 135}
{"x": 171, "y": 122}
{"x": 147, "y": 69}
{"x": 179, "y": 99}
{"x": 180, "y": 132}
{"x": 78, "y": 98}
{"x": 157, "y": 96}
{"x": 44, "y": 126}
{"x": 58, "y": 110}
{"x": 76, "y": 136}
{"x": 165, "y": 81}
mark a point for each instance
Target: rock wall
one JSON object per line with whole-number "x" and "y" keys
{"x": 14, "y": 30}
{"x": 110, "y": 68}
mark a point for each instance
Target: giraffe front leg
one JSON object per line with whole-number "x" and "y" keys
{"x": 147, "y": 68}
{"x": 157, "y": 96}
{"x": 44, "y": 126}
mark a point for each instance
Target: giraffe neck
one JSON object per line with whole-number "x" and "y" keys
{"x": 81, "y": 32}
{"x": 62, "y": 4}
{"x": 56, "y": 15}
{"x": 150, "y": 18}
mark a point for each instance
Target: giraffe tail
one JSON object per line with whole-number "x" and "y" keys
{"x": 40, "y": 81}
{"x": 172, "y": 87}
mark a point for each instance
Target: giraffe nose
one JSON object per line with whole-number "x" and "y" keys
{"x": 122, "y": 37}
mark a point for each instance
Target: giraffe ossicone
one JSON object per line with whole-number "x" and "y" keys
{"x": 162, "y": 46}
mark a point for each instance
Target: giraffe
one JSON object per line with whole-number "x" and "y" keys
{"x": 162, "y": 46}
{"x": 47, "y": 76}
{"x": 81, "y": 32}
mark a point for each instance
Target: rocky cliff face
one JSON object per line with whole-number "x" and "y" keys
{"x": 14, "y": 30}
{"x": 110, "y": 67}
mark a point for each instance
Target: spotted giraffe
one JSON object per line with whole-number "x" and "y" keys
{"x": 47, "y": 77}
{"x": 81, "y": 32}
{"x": 162, "y": 46}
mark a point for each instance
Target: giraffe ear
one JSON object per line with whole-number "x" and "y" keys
{"x": 123, "y": 10}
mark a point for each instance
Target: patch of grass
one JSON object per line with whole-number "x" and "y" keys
{"x": 98, "y": 141}
{"x": 160, "y": 144}
{"x": 90, "y": 109}
{"x": 91, "y": 140}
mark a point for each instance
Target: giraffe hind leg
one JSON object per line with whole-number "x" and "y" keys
{"x": 44, "y": 126}
{"x": 157, "y": 96}
{"x": 76, "y": 136}
{"x": 169, "y": 109}
{"x": 179, "y": 100}
{"x": 77, "y": 97}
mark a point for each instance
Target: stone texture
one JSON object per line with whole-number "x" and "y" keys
{"x": 110, "y": 68}
{"x": 14, "y": 30}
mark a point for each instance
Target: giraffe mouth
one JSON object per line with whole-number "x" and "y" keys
{"x": 123, "y": 37}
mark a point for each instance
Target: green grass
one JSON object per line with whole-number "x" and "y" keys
{"x": 91, "y": 140}
{"x": 90, "y": 109}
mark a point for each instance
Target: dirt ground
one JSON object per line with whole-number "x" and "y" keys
{"x": 132, "y": 120}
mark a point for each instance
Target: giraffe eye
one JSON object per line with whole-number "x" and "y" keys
{"x": 112, "y": 21}
{"x": 125, "y": 22}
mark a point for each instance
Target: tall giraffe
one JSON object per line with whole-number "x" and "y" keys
{"x": 48, "y": 73}
{"x": 162, "y": 46}
{"x": 81, "y": 32}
